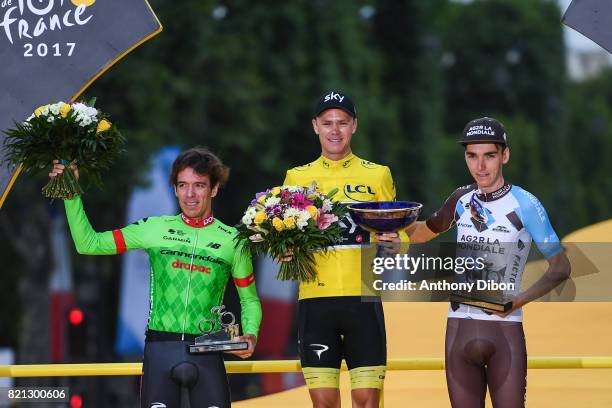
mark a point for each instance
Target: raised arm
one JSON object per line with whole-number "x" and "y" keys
{"x": 90, "y": 242}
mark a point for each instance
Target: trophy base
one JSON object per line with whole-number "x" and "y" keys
{"x": 218, "y": 346}
{"x": 497, "y": 305}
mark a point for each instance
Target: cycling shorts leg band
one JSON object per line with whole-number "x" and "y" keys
{"x": 321, "y": 377}
{"x": 368, "y": 377}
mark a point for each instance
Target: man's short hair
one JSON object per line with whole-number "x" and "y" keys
{"x": 202, "y": 161}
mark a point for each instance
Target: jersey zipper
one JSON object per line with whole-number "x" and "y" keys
{"x": 190, "y": 271}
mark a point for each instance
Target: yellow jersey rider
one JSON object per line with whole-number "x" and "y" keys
{"x": 334, "y": 322}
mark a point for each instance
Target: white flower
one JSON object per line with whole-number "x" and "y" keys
{"x": 79, "y": 107}
{"x": 82, "y": 110}
{"x": 327, "y": 206}
{"x": 270, "y": 201}
{"x": 293, "y": 189}
{"x": 256, "y": 238}
{"x": 292, "y": 212}
{"x": 249, "y": 214}
{"x": 55, "y": 108}
{"x": 50, "y": 119}
{"x": 302, "y": 219}
{"x": 45, "y": 111}
{"x": 86, "y": 121}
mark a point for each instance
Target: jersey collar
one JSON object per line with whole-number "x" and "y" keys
{"x": 494, "y": 195}
{"x": 204, "y": 222}
{"x": 336, "y": 164}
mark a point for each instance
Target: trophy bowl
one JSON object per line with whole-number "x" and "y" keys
{"x": 385, "y": 216}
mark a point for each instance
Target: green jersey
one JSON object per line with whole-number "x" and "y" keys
{"x": 191, "y": 262}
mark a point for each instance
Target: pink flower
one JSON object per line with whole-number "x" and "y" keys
{"x": 325, "y": 220}
{"x": 256, "y": 238}
{"x": 298, "y": 200}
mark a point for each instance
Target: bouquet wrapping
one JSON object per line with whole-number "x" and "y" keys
{"x": 73, "y": 133}
{"x": 296, "y": 219}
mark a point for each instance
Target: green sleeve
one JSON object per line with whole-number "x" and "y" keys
{"x": 90, "y": 242}
{"x": 242, "y": 273}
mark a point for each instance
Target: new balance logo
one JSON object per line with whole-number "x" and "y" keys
{"x": 332, "y": 96}
{"x": 323, "y": 348}
{"x": 501, "y": 228}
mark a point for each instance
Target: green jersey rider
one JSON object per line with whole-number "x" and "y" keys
{"x": 192, "y": 256}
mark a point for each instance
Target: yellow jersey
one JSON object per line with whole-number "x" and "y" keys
{"x": 339, "y": 270}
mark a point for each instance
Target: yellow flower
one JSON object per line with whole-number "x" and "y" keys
{"x": 39, "y": 110}
{"x": 312, "y": 210}
{"x": 260, "y": 217}
{"x": 289, "y": 222}
{"x": 276, "y": 191}
{"x": 65, "y": 109}
{"x": 103, "y": 126}
{"x": 262, "y": 199}
{"x": 278, "y": 224}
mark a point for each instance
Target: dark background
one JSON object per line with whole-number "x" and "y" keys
{"x": 240, "y": 77}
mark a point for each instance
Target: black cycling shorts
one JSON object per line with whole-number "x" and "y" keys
{"x": 332, "y": 328}
{"x": 162, "y": 353}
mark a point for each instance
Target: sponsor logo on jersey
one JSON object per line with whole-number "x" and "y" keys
{"x": 515, "y": 268}
{"x": 176, "y": 232}
{"x": 536, "y": 203}
{"x": 521, "y": 245}
{"x": 353, "y": 234}
{"x": 462, "y": 224}
{"x": 368, "y": 164}
{"x": 346, "y": 164}
{"x": 359, "y": 192}
{"x": 501, "y": 228}
{"x": 320, "y": 349}
{"x": 480, "y": 240}
{"x": 185, "y": 240}
{"x": 182, "y": 254}
{"x": 224, "y": 229}
{"x": 213, "y": 245}
{"x": 483, "y": 244}
{"x": 190, "y": 266}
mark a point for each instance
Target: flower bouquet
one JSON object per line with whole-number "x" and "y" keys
{"x": 292, "y": 218}
{"x": 74, "y": 133}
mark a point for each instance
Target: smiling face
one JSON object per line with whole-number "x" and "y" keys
{"x": 335, "y": 128}
{"x": 194, "y": 193}
{"x": 485, "y": 162}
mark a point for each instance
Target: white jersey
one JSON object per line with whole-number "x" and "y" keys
{"x": 498, "y": 227}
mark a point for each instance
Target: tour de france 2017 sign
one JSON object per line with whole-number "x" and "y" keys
{"x": 53, "y": 50}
